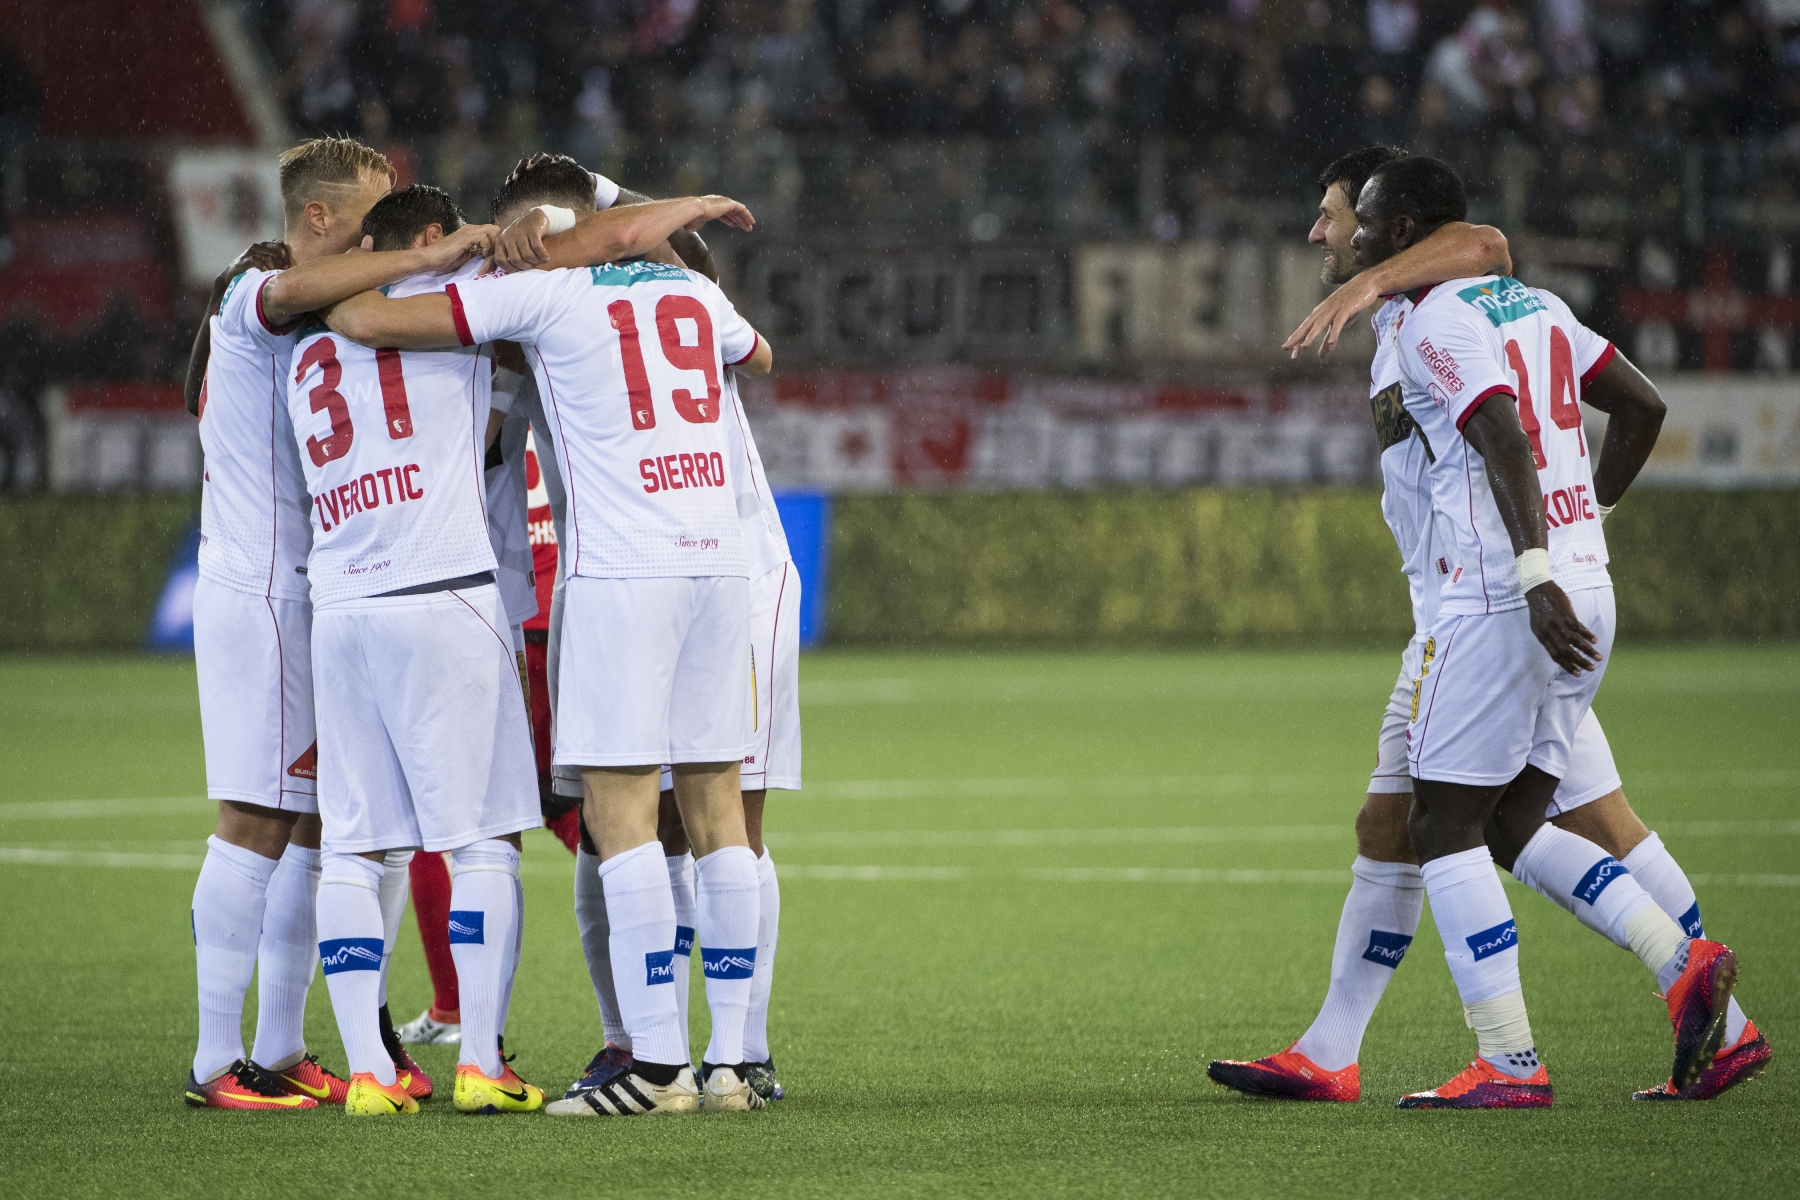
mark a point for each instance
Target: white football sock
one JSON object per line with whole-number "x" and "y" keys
{"x": 1660, "y": 875}
{"x": 681, "y": 890}
{"x": 287, "y": 958}
{"x": 1381, "y": 915}
{"x": 768, "y": 932}
{"x": 227, "y": 923}
{"x": 1600, "y": 891}
{"x": 641, "y": 912}
{"x": 1481, "y": 944}
{"x": 350, "y": 949}
{"x": 483, "y": 913}
{"x": 394, "y": 881}
{"x": 726, "y": 906}
{"x": 596, "y": 945}
{"x": 510, "y": 970}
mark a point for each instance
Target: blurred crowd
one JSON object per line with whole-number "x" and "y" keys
{"x": 1068, "y": 116}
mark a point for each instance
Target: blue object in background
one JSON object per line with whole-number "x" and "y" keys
{"x": 172, "y": 624}
{"x": 806, "y": 518}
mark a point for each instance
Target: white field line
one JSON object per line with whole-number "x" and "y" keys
{"x": 35, "y": 857}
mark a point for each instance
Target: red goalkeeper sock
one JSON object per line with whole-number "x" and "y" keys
{"x": 431, "y": 903}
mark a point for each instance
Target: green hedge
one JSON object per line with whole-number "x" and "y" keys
{"x": 84, "y": 572}
{"x": 1202, "y": 567}
{"x": 1217, "y": 566}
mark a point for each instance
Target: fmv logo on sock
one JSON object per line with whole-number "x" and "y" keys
{"x": 1387, "y": 948}
{"x": 350, "y": 954}
{"x": 1489, "y": 942}
{"x": 659, "y": 967}
{"x": 467, "y": 925}
{"x": 1690, "y": 922}
{"x": 728, "y": 964}
{"x": 1598, "y": 877}
{"x": 684, "y": 940}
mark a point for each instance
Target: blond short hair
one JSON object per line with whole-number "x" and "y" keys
{"x": 326, "y": 164}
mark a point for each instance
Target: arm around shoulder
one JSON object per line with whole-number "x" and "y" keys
{"x": 426, "y": 322}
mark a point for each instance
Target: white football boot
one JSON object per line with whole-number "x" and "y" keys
{"x": 631, "y": 1095}
{"x": 727, "y": 1091}
{"x": 423, "y": 1031}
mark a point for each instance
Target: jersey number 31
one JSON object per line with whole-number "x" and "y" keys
{"x": 326, "y": 398}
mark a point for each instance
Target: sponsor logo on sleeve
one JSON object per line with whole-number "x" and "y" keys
{"x": 659, "y": 967}
{"x": 1598, "y": 878}
{"x": 468, "y": 925}
{"x": 350, "y": 954}
{"x": 1502, "y": 300}
{"x": 1386, "y": 948}
{"x": 1489, "y": 942}
{"x": 1442, "y": 366}
{"x": 728, "y": 964}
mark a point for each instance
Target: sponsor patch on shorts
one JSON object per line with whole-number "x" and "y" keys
{"x": 350, "y": 954}
{"x": 468, "y": 925}
{"x": 728, "y": 964}
{"x": 1489, "y": 942}
{"x": 1387, "y": 948}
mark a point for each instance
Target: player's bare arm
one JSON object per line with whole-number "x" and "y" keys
{"x": 623, "y": 231}
{"x": 1636, "y": 410}
{"x": 761, "y": 360}
{"x": 690, "y": 250}
{"x": 1457, "y": 250}
{"x": 264, "y": 256}
{"x": 414, "y": 323}
{"x": 325, "y": 281}
{"x": 1494, "y": 431}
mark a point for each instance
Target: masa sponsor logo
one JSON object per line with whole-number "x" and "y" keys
{"x": 1387, "y": 948}
{"x": 350, "y": 954}
{"x": 1489, "y": 942}
{"x": 468, "y": 925}
{"x": 1598, "y": 878}
{"x": 1503, "y": 300}
{"x": 1442, "y": 364}
{"x": 728, "y": 964}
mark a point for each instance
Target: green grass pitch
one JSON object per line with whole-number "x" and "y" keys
{"x": 971, "y": 998}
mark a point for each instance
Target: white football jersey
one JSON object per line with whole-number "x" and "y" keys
{"x": 1405, "y": 483}
{"x": 1467, "y": 340}
{"x": 254, "y": 530}
{"x": 765, "y": 541}
{"x": 391, "y": 441}
{"x": 630, "y": 361}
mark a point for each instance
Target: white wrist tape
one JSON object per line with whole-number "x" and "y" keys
{"x": 1534, "y": 568}
{"x": 606, "y": 192}
{"x": 1605, "y": 510}
{"x": 506, "y": 389}
{"x": 560, "y": 219}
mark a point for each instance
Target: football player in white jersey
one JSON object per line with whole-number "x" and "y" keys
{"x": 654, "y": 665}
{"x": 1517, "y": 658}
{"x": 252, "y": 907}
{"x": 1381, "y": 913}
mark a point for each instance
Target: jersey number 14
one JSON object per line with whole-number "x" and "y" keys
{"x": 326, "y": 398}
{"x": 1565, "y": 408}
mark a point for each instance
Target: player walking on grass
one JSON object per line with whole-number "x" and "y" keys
{"x": 653, "y": 664}
{"x": 1382, "y": 911}
{"x": 253, "y": 904}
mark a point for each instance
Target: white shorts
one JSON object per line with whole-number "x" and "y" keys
{"x": 1491, "y": 700}
{"x": 253, "y": 658}
{"x": 1393, "y": 775}
{"x": 424, "y": 740}
{"x": 773, "y": 760}
{"x": 1592, "y": 772}
{"x": 653, "y": 671}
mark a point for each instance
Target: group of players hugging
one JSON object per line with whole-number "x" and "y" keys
{"x": 379, "y": 394}
{"x": 1489, "y": 751}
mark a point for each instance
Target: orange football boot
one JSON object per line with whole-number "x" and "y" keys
{"x": 1697, "y": 1004}
{"x": 1482, "y": 1085}
{"x": 308, "y": 1078}
{"x": 243, "y": 1085}
{"x": 1289, "y": 1075}
{"x": 1739, "y": 1063}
